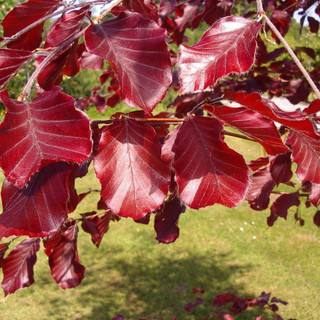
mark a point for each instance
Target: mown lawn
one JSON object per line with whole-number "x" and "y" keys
{"x": 219, "y": 250}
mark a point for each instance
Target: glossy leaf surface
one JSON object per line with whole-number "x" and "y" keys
{"x": 228, "y": 46}
{"x": 48, "y": 129}
{"x": 294, "y": 120}
{"x": 306, "y": 153}
{"x": 128, "y": 164}
{"x": 18, "y": 266}
{"x": 207, "y": 170}
{"x": 137, "y": 50}
{"x": 38, "y": 209}
{"x": 24, "y": 15}
{"x": 254, "y": 125}
{"x": 11, "y": 61}
{"x": 62, "y": 251}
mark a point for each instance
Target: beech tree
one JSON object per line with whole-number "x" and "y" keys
{"x": 145, "y": 167}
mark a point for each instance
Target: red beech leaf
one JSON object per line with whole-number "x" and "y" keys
{"x": 146, "y": 8}
{"x": 207, "y": 170}
{"x": 280, "y": 168}
{"x": 294, "y": 120}
{"x": 18, "y": 266}
{"x": 66, "y": 268}
{"x": 314, "y": 196}
{"x": 306, "y": 153}
{"x": 67, "y": 62}
{"x": 96, "y": 226}
{"x": 38, "y": 209}
{"x": 128, "y": 164}
{"x": 254, "y": 165}
{"x": 11, "y": 61}
{"x": 281, "y": 206}
{"x": 254, "y": 125}
{"x": 24, "y": 15}
{"x": 48, "y": 129}
{"x": 167, "y": 154}
{"x": 260, "y": 188}
{"x": 316, "y": 219}
{"x": 228, "y": 46}
{"x": 3, "y": 248}
{"x": 314, "y": 107}
{"x": 166, "y": 220}
{"x": 138, "y": 53}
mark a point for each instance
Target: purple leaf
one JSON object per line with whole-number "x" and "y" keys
{"x": 166, "y": 220}
{"x": 24, "y": 15}
{"x": 207, "y": 170}
{"x": 11, "y": 61}
{"x": 38, "y": 209}
{"x": 138, "y": 53}
{"x": 306, "y": 153}
{"x": 64, "y": 262}
{"x": 48, "y": 129}
{"x": 228, "y": 46}
{"x": 18, "y": 266}
{"x": 280, "y": 168}
{"x": 128, "y": 163}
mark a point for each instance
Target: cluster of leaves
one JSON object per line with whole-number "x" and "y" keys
{"x": 226, "y": 306}
{"x": 46, "y": 142}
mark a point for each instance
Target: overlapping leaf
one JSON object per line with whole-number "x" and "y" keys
{"x": 11, "y": 61}
{"x": 137, "y": 50}
{"x": 294, "y": 120}
{"x": 48, "y": 129}
{"x": 207, "y": 170}
{"x": 261, "y": 186}
{"x": 166, "y": 221}
{"x": 280, "y": 168}
{"x": 228, "y": 46}
{"x": 306, "y": 153}
{"x": 67, "y": 62}
{"x": 3, "y": 248}
{"x": 66, "y": 268}
{"x": 134, "y": 179}
{"x": 18, "y": 266}
{"x": 38, "y": 209}
{"x": 254, "y": 125}
{"x": 96, "y": 226}
{"x": 24, "y": 15}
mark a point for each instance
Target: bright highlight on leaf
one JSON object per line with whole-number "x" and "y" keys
{"x": 138, "y": 53}
{"x": 128, "y": 163}
{"x": 207, "y": 170}
{"x": 228, "y": 46}
{"x": 18, "y": 266}
{"x": 48, "y": 129}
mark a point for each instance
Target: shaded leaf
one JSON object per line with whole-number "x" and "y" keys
{"x": 61, "y": 249}
{"x": 254, "y": 125}
{"x": 128, "y": 164}
{"x": 3, "y": 248}
{"x": 316, "y": 219}
{"x": 260, "y": 188}
{"x": 23, "y": 15}
{"x": 254, "y": 165}
{"x": 228, "y": 46}
{"x": 18, "y": 266}
{"x": 306, "y": 153}
{"x": 96, "y": 226}
{"x": 48, "y": 129}
{"x": 38, "y": 209}
{"x": 67, "y": 62}
{"x": 314, "y": 196}
{"x": 280, "y": 168}
{"x": 207, "y": 170}
{"x": 294, "y": 120}
{"x": 166, "y": 220}
{"x": 11, "y": 61}
{"x": 146, "y": 8}
{"x": 281, "y": 206}
{"x": 138, "y": 53}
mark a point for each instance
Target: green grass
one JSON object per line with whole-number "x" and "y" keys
{"x": 133, "y": 275}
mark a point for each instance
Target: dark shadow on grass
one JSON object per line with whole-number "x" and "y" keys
{"x": 149, "y": 287}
